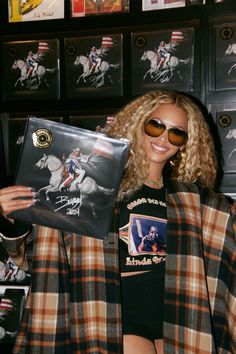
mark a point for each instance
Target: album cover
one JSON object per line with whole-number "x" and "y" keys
{"x": 31, "y": 70}
{"x": 90, "y": 7}
{"x": 11, "y": 310}
{"x": 75, "y": 173}
{"x": 148, "y": 5}
{"x": 94, "y": 66}
{"x": 35, "y": 10}
{"x": 226, "y": 125}
{"x": 222, "y": 57}
{"x": 162, "y": 59}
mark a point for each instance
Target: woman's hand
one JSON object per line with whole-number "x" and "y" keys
{"x": 9, "y": 201}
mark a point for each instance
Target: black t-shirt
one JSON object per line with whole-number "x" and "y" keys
{"x": 142, "y": 232}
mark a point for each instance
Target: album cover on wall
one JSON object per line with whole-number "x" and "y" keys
{"x": 162, "y": 59}
{"x": 94, "y": 66}
{"x": 223, "y": 56}
{"x": 31, "y": 70}
{"x": 76, "y": 181}
{"x": 148, "y": 5}
{"x": 35, "y": 10}
{"x": 226, "y": 124}
{"x": 90, "y": 7}
{"x": 11, "y": 311}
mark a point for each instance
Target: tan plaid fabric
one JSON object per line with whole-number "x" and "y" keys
{"x": 200, "y": 298}
{"x": 75, "y": 287}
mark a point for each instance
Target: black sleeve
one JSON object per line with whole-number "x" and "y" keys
{"x": 9, "y": 229}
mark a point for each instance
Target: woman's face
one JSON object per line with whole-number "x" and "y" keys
{"x": 159, "y": 149}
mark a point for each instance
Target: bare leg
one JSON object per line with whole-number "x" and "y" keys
{"x": 138, "y": 345}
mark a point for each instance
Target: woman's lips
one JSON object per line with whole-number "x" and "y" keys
{"x": 158, "y": 148}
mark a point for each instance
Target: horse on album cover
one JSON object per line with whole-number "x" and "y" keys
{"x": 35, "y": 79}
{"x": 85, "y": 185}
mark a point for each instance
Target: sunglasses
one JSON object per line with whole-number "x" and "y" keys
{"x": 155, "y": 128}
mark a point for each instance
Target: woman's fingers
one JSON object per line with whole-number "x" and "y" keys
{"x": 11, "y": 199}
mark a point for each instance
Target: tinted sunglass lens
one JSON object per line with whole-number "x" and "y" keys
{"x": 154, "y": 128}
{"x": 177, "y": 137}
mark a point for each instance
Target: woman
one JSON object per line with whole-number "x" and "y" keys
{"x": 176, "y": 297}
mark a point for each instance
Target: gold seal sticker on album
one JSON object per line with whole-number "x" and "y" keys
{"x": 42, "y": 138}
{"x": 224, "y": 120}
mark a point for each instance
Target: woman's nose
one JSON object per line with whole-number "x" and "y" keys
{"x": 164, "y": 135}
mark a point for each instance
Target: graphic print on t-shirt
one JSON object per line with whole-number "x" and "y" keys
{"x": 145, "y": 235}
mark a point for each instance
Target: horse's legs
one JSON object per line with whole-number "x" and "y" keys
{"x": 39, "y": 79}
{"x": 180, "y": 76}
{"x": 49, "y": 190}
{"x": 110, "y": 79}
{"x": 78, "y": 80}
{"x": 232, "y": 67}
{"x": 17, "y": 81}
{"x": 100, "y": 80}
{"x": 145, "y": 75}
{"x": 232, "y": 152}
{"x": 150, "y": 72}
{"x": 46, "y": 82}
{"x": 83, "y": 76}
{"x": 21, "y": 79}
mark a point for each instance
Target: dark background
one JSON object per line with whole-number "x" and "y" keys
{"x": 210, "y": 87}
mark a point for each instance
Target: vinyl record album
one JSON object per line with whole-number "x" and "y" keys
{"x": 76, "y": 175}
{"x": 11, "y": 310}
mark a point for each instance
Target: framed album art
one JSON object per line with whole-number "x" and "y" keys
{"x": 90, "y": 7}
{"x": 226, "y": 124}
{"x": 162, "y": 58}
{"x": 35, "y": 10}
{"x": 31, "y": 70}
{"x": 12, "y": 304}
{"x": 94, "y": 66}
{"x": 148, "y": 5}
{"x": 224, "y": 115}
{"x": 16, "y": 130}
{"x": 222, "y": 63}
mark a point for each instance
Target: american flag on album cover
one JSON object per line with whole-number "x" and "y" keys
{"x": 76, "y": 175}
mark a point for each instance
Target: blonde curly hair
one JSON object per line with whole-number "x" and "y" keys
{"x": 196, "y": 160}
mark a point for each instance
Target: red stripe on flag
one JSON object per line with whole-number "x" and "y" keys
{"x": 6, "y": 304}
{"x": 43, "y": 46}
{"x": 177, "y": 36}
{"x": 107, "y": 42}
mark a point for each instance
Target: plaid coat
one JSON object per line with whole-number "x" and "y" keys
{"x": 75, "y": 300}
